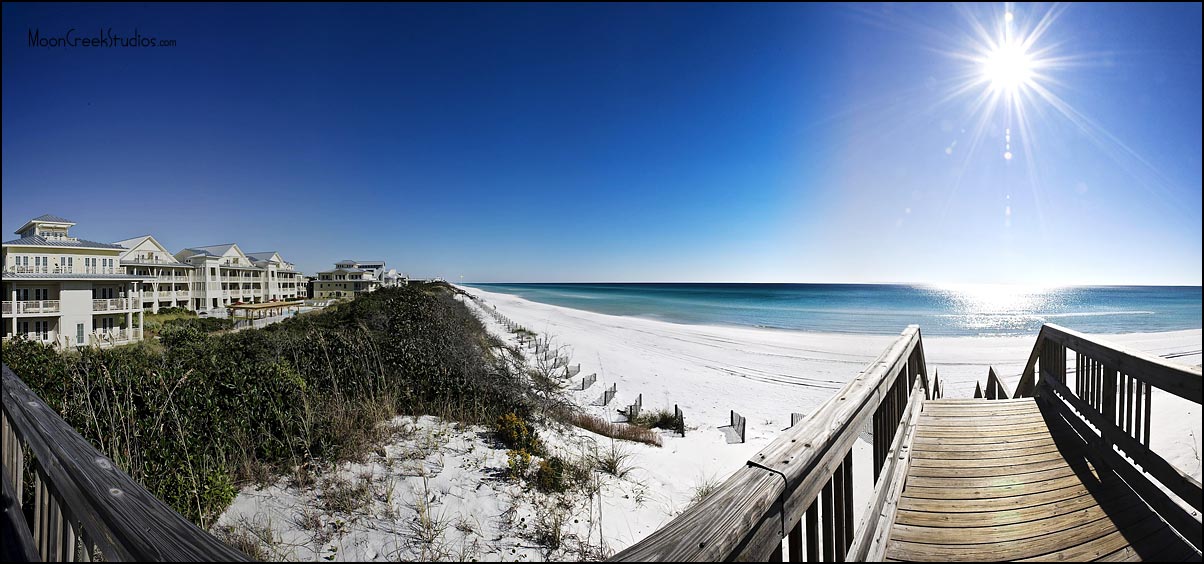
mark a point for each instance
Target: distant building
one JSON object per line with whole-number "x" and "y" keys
{"x": 304, "y": 283}
{"x": 347, "y": 280}
{"x": 68, "y": 291}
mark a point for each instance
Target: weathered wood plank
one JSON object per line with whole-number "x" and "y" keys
{"x": 949, "y": 453}
{"x": 1014, "y": 542}
{"x": 992, "y": 481}
{"x": 985, "y": 471}
{"x": 869, "y": 544}
{"x": 970, "y": 519}
{"x": 1040, "y": 435}
{"x": 717, "y": 525}
{"x": 1009, "y": 462}
{"x": 986, "y": 492}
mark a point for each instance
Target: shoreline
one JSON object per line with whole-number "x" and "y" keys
{"x": 766, "y": 374}
{"x": 1048, "y": 318}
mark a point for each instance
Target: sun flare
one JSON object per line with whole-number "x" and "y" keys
{"x": 1007, "y": 67}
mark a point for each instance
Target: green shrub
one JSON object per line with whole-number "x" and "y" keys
{"x": 196, "y": 414}
{"x": 516, "y": 434}
{"x": 203, "y": 324}
{"x": 519, "y": 462}
{"x": 549, "y": 476}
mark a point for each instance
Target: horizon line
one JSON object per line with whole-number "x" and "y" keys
{"x": 934, "y": 284}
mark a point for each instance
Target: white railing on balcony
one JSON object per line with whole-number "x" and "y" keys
{"x": 60, "y": 270}
{"x": 30, "y": 307}
{"x": 112, "y": 304}
{"x": 143, "y": 260}
{"x": 116, "y": 335}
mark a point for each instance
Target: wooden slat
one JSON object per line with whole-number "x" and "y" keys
{"x": 1008, "y": 461}
{"x": 1182, "y": 484}
{"x": 18, "y": 545}
{"x": 986, "y": 471}
{"x": 869, "y": 544}
{"x": 992, "y": 481}
{"x": 1014, "y": 543}
{"x": 969, "y": 519}
{"x": 1038, "y": 435}
{"x": 981, "y": 493}
{"x": 1170, "y": 511}
{"x": 1007, "y": 503}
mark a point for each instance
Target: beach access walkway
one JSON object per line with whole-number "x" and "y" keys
{"x": 1058, "y": 469}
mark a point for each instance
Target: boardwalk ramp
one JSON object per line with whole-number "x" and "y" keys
{"x": 1003, "y": 480}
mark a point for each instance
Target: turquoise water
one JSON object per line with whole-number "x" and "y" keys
{"x": 885, "y": 309}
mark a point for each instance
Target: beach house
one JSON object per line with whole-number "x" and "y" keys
{"x": 68, "y": 291}
{"x": 202, "y": 278}
{"x": 348, "y": 279}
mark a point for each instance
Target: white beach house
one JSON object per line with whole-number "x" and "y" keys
{"x": 68, "y": 291}
{"x": 348, "y": 279}
{"x": 203, "y": 278}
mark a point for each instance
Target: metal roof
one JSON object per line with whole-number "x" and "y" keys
{"x": 39, "y": 241}
{"x": 50, "y": 219}
{"x": 211, "y": 249}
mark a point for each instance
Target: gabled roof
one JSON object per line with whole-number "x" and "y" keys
{"x": 39, "y": 241}
{"x": 217, "y": 250}
{"x": 134, "y": 242}
{"x": 265, "y": 256}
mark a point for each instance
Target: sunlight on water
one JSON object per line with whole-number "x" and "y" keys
{"x": 970, "y": 310}
{"x": 998, "y": 308}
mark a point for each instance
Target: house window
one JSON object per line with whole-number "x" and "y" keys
{"x": 40, "y": 294}
{"x": 41, "y": 330}
{"x": 79, "y": 333}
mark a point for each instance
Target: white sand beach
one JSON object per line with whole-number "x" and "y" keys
{"x": 763, "y": 374}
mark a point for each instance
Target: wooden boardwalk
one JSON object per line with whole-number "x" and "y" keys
{"x": 1063, "y": 470}
{"x": 1001, "y": 480}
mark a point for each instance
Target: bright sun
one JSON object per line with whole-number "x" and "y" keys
{"x": 1007, "y": 67}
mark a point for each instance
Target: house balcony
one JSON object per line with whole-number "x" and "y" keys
{"x": 31, "y": 307}
{"x": 115, "y": 304}
{"x": 115, "y": 336}
{"x": 150, "y": 261}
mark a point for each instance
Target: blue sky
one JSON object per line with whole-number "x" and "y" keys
{"x": 776, "y": 143}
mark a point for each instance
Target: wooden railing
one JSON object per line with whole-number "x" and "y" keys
{"x": 1108, "y": 399}
{"x": 800, "y": 487}
{"x": 83, "y": 506}
{"x": 995, "y": 388}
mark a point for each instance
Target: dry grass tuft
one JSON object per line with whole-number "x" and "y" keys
{"x": 605, "y": 428}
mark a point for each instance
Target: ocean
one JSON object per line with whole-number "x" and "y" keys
{"x": 970, "y": 310}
